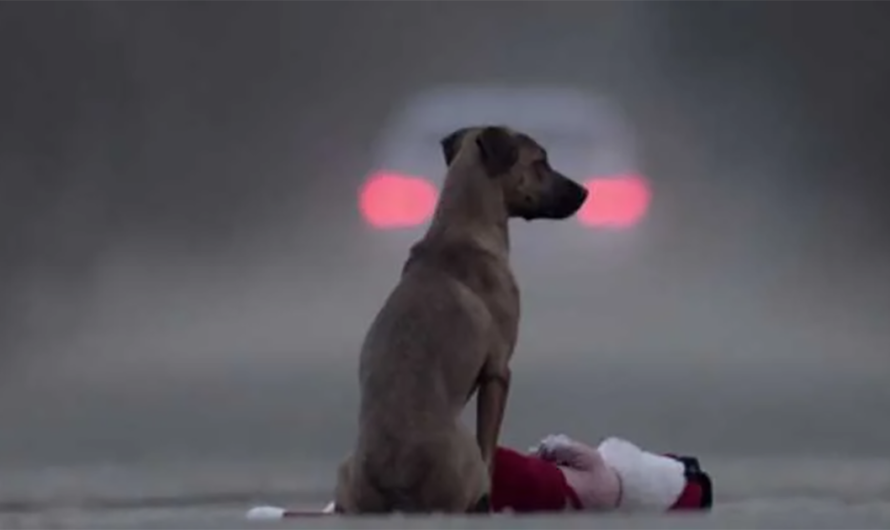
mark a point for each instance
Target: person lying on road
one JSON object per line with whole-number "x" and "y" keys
{"x": 564, "y": 474}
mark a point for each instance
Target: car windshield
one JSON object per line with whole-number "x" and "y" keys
{"x": 571, "y": 152}
{"x": 551, "y": 140}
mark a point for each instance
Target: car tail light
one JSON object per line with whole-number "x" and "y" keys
{"x": 390, "y": 200}
{"x": 618, "y": 201}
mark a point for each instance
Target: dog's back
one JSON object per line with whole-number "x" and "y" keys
{"x": 418, "y": 368}
{"x": 429, "y": 339}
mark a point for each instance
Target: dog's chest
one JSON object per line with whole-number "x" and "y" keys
{"x": 503, "y": 303}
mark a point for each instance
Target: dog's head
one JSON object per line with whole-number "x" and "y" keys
{"x": 532, "y": 189}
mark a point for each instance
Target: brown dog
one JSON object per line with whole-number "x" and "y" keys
{"x": 448, "y": 329}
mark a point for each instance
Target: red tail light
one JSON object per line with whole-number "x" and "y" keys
{"x": 619, "y": 201}
{"x": 391, "y": 200}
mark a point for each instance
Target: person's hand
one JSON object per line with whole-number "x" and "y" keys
{"x": 596, "y": 483}
{"x": 564, "y": 451}
{"x": 551, "y": 446}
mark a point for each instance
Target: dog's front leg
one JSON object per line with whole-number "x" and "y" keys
{"x": 491, "y": 404}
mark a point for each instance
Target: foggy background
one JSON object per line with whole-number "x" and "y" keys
{"x": 183, "y": 270}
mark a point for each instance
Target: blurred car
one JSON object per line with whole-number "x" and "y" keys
{"x": 585, "y": 135}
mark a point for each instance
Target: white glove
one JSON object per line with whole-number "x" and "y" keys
{"x": 551, "y": 446}
{"x": 566, "y": 452}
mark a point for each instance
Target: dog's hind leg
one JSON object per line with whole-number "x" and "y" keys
{"x": 356, "y": 493}
{"x": 483, "y": 505}
{"x": 475, "y": 480}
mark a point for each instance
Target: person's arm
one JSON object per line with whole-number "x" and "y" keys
{"x": 596, "y": 485}
{"x": 524, "y": 482}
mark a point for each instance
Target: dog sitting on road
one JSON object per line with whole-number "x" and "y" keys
{"x": 447, "y": 331}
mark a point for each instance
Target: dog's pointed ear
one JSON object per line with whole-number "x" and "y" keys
{"x": 498, "y": 149}
{"x": 451, "y": 144}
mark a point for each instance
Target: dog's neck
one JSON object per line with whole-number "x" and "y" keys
{"x": 471, "y": 207}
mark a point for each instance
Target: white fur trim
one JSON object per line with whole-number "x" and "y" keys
{"x": 648, "y": 481}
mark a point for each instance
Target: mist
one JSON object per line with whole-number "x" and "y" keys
{"x": 180, "y": 235}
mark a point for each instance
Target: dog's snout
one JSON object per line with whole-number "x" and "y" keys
{"x": 577, "y": 195}
{"x": 568, "y": 198}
